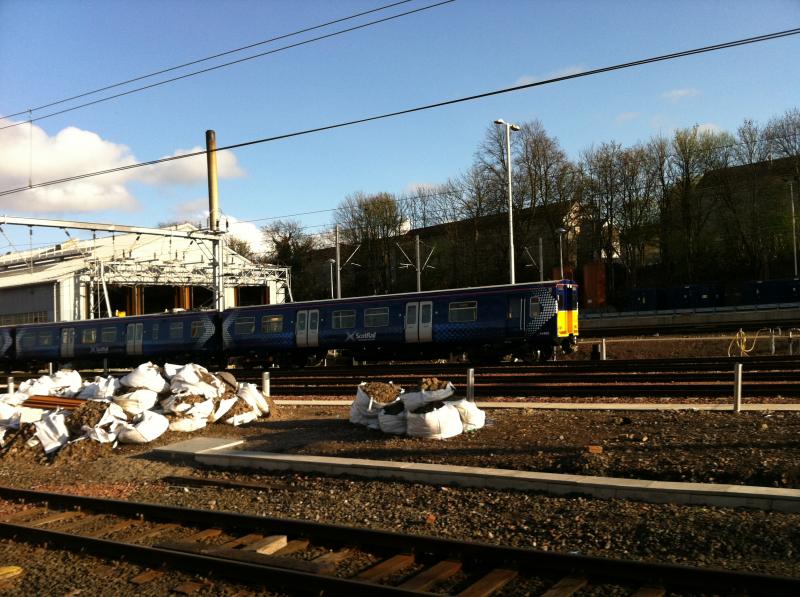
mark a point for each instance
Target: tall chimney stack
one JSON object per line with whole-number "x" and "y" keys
{"x": 213, "y": 197}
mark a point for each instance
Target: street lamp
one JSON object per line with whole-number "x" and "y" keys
{"x": 509, "y": 127}
{"x": 560, "y": 232}
{"x": 794, "y": 231}
{"x": 331, "y": 262}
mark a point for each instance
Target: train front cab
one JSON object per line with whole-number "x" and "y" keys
{"x": 567, "y": 324}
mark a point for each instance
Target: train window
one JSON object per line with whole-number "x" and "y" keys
{"x": 89, "y": 336}
{"x": 535, "y": 308}
{"x": 272, "y": 324}
{"x": 197, "y": 328}
{"x": 376, "y": 318}
{"x": 426, "y": 313}
{"x": 155, "y": 331}
{"x": 176, "y": 330}
{"x": 344, "y": 319}
{"x": 463, "y": 311}
{"x": 301, "y": 321}
{"x": 108, "y": 335}
{"x": 45, "y": 338}
{"x": 244, "y": 326}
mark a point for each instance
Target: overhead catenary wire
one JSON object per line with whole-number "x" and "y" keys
{"x": 440, "y": 104}
{"x": 231, "y": 63}
{"x": 206, "y": 59}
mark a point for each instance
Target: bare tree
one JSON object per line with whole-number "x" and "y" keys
{"x": 288, "y": 244}
{"x": 374, "y": 222}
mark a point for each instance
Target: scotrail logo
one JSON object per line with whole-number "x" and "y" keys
{"x": 360, "y": 337}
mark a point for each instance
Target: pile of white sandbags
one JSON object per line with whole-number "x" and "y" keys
{"x": 137, "y": 408}
{"x": 432, "y": 412}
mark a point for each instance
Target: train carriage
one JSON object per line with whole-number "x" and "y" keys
{"x": 523, "y": 320}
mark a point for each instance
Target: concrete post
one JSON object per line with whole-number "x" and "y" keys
{"x": 772, "y": 342}
{"x": 10, "y": 385}
{"x": 265, "y": 389}
{"x": 471, "y": 384}
{"x": 50, "y": 368}
{"x": 737, "y": 387}
{"x": 105, "y": 366}
{"x": 603, "y": 350}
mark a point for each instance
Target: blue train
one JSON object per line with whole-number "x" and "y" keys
{"x": 524, "y": 320}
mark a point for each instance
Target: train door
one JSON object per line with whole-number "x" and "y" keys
{"x": 515, "y": 325}
{"x": 425, "y": 321}
{"x": 134, "y": 334}
{"x": 67, "y": 342}
{"x": 306, "y": 328}
{"x": 419, "y": 321}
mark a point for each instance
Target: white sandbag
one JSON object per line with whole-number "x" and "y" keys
{"x": 145, "y": 428}
{"x": 51, "y": 431}
{"x": 136, "y": 402}
{"x": 187, "y": 424}
{"x": 146, "y": 376}
{"x": 170, "y": 370}
{"x": 67, "y": 382}
{"x": 180, "y": 404}
{"x": 14, "y": 399}
{"x": 438, "y": 423}
{"x": 472, "y": 417}
{"x": 10, "y": 415}
{"x": 101, "y": 387}
{"x": 194, "y": 379}
{"x": 437, "y": 395}
{"x": 224, "y": 406}
{"x": 393, "y": 419}
{"x": 250, "y": 393}
{"x": 243, "y": 418}
{"x": 113, "y": 420}
{"x": 364, "y": 410}
{"x": 412, "y": 400}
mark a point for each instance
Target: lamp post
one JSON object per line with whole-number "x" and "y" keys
{"x": 794, "y": 231}
{"x": 331, "y": 262}
{"x": 561, "y": 232}
{"x": 509, "y": 127}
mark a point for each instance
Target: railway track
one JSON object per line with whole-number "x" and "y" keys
{"x": 766, "y": 377}
{"x": 304, "y": 557}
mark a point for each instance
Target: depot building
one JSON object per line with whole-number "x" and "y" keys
{"x": 129, "y": 274}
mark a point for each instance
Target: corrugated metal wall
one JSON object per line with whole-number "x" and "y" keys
{"x": 26, "y": 304}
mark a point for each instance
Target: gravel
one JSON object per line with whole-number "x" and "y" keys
{"x": 748, "y": 448}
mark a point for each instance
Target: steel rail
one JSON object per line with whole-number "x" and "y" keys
{"x": 528, "y": 560}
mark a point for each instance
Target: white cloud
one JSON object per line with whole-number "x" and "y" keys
{"x": 626, "y": 117}
{"x": 28, "y": 151}
{"x": 573, "y": 69}
{"x": 196, "y": 212}
{"x": 708, "y": 127}
{"x": 190, "y": 170}
{"x": 420, "y": 187}
{"x": 676, "y": 95}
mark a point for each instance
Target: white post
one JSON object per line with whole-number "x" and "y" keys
{"x": 105, "y": 366}
{"x": 10, "y": 385}
{"x": 338, "y": 266}
{"x": 603, "y": 350}
{"x": 416, "y": 258}
{"x": 772, "y": 342}
{"x": 510, "y": 207}
{"x": 471, "y": 385}
{"x": 265, "y": 389}
{"x": 794, "y": 226}
{"x": 737, "y": 387}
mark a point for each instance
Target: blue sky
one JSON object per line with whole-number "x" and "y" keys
{"x": 53, "y": 49}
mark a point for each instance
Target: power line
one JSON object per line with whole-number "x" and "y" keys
{"x": 227, "y": 64}
{"x": 661, "y": 58}
{"x": 199, "y": 60}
